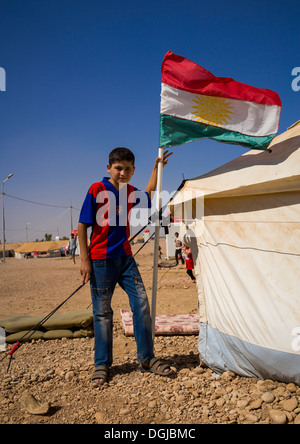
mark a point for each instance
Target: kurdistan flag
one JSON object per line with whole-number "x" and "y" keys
{"x": 195, "y": 105}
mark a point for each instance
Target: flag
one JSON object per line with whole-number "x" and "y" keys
{"x": 195, "y": 105}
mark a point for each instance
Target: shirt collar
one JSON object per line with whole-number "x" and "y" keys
{"x": 109, "y": 186}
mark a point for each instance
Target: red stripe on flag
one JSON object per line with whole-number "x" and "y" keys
{"x": 181, "y": 73}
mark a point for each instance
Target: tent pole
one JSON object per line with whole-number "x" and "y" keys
{"x": 156, "y": 239}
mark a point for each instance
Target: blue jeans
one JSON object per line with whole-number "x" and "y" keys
{"x": 105, "y": 275}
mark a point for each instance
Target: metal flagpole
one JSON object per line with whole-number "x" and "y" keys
{"x": 156, "y": 239}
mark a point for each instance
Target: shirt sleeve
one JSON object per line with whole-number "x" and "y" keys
{"x": 88, "y": 209}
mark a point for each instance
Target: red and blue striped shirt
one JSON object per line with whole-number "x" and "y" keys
{"x": 107, "y": 210}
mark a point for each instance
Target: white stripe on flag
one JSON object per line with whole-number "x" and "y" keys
{"x": 240, "y": 116}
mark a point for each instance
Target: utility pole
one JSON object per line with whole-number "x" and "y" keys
{"x": 71, "y": 215}
{"x": 28, "y": 223}
{"x": 3, "y": 217}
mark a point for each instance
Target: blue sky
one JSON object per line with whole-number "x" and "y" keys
{"x": 83, "y": 76}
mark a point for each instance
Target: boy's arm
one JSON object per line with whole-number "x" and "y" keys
{"x": 151, "y": 187}
{"x": 85, "y": 266}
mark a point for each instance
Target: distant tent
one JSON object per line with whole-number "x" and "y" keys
{"x": 246, "y": 250}
{"x": 40, "y": 247}
{"x": 9, "y": 249}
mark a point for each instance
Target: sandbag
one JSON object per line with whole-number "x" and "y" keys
{"x": 63, "y": 333}
{"x": 58, "y": 334}
{"x": 78, "y": 319}
{"x": 83, "y": 333}
{"x": 15, "y": 337}
{"x": 19, "y": 323}
{"x": 74, "y": 324}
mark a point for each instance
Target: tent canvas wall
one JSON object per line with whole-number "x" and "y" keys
{"x": 247, "y": 261}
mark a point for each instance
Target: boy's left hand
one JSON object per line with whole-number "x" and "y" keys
{"x": 164, "y": 160}
{"x": 151, "y": 187}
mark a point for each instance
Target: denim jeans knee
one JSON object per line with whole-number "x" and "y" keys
{"x": 102, "y": 287}
{"x": 106, "y": 274}
{"x": 131, "y": 281}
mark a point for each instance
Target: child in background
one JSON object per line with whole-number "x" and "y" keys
{"x": 178, "y": 249}
{"x": 189, "y": 263}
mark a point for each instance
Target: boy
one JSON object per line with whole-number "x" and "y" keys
{"x": 109, "y": 261}
{"x": 72, "y": 247}
{"x": 189, "y": 262}
{"x": 178, "y": 249}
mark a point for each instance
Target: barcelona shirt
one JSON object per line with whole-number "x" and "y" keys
{"x": 107, "y": 210}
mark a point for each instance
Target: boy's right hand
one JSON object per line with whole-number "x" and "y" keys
{"x": 85, "y": 270}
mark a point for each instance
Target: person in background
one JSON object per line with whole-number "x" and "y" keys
{"x": 72, "y": 247}
{"x": 159, "y": 252}
{"x": 189, "y": 263}
{"x": 178, "y": 248}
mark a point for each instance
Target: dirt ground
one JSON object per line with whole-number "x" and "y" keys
{"x": 58, "y": 372}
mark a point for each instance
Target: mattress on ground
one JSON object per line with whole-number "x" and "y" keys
{"x": 185, "y": 324}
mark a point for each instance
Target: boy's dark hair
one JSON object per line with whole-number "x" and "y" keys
{"x": 119, "y": 154}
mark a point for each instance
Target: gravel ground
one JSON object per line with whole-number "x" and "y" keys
{"x": 49, "y": 381}
{"x": 58, "y": 373}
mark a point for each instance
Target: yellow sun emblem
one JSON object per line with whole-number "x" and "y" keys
{"x": 212, "y": 110}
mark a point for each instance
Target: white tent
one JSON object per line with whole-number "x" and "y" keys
{"x": 246, "y": 250}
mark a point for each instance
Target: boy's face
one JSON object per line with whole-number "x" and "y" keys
{"x": 120, "y": 172}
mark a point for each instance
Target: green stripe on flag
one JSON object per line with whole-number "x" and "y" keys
{"x": 175, "y": 131}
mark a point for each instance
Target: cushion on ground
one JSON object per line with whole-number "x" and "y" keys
{"x": 185, "y": 324}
